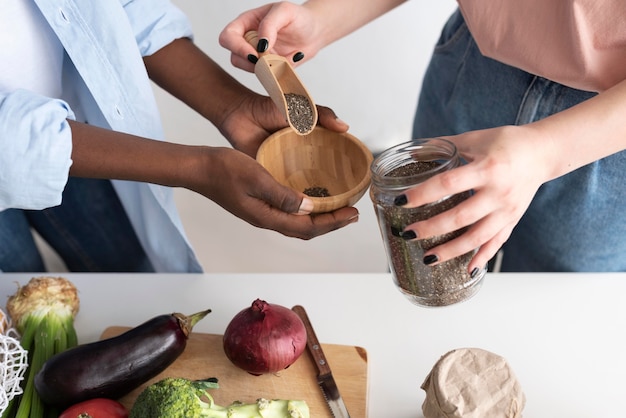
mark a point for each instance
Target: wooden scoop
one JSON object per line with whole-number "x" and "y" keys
{"x": 281, "y": 83}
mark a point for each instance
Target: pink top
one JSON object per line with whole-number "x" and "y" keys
{"x": 578, "y": 43}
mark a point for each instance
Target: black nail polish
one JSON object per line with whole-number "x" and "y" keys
{"x": 430, "y": 259}
{"x": 408, "y": 235}
{"x": 298, "y": 56}
{"x": 252, "y": 58}
{"x": 400, "y": 200}
{"x": 474, "y": 272}
{"x": 262, "y": 45}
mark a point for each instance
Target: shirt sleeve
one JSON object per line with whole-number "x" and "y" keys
{"x": 36, "y": 145}
{"x": 156, "y": 23}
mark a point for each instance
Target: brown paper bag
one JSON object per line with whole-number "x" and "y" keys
{"x": 472, "y": 383}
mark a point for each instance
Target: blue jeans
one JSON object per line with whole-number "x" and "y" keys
{"x": 89, "y": 230}
{"x": 576, "y": 222}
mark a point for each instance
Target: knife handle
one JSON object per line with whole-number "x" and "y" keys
{"x": 313, "y": 343}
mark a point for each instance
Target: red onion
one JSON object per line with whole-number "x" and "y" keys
{"x": 264, "y": 338}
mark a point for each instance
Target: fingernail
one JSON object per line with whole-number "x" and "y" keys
{"x": 430, "y": 259}
{"x": 298, "y": 56}
{"x": 305, "y": 207}
{"x": 474, "y": 272}
{"x": 408, "y": 235}
{"x": 341, "y": 122}
{"x": 400, "y": 200}
{"x": 354, "y": 218}
{"x": 262, "y": 45}
{"x": 253, "y": 59}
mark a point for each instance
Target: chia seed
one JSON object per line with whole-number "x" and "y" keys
{"x": 299, "y": 111}
{"x": 316, "y": 191}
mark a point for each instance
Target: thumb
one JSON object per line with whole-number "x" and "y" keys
{"x": 279, "y": 16}
{"x": 286, "y": 199}
{"x": 328, "y": 119}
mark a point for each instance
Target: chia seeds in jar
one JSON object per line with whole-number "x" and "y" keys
{"x": 393, "y": 172}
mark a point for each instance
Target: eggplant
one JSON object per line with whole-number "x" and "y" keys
{"x": 113, "y": 367}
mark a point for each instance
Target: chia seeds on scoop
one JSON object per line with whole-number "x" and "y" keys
{"x": 299, "y": 111}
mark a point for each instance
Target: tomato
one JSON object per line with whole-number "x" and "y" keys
{"x": 96, "y": 408}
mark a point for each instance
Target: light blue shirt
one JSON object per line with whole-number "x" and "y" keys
{"x": 104, "y": 84}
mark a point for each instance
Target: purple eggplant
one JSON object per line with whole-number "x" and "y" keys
{"x": 113, "y": 367}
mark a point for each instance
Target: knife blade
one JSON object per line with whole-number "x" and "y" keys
{"x": 325, "y": 378}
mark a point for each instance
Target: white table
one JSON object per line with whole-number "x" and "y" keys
{"x": 561, "y": 333}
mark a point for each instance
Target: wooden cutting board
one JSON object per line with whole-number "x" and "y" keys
{"x": 204, "y": 357}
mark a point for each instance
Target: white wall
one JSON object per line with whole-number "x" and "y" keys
{"x": 371, "y": 80}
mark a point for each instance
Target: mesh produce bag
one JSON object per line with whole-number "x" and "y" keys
{"x": 13, "y": 363}
{"x": 472, "y": 383}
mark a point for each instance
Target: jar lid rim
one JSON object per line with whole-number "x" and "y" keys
{"x": 438, "y": 150}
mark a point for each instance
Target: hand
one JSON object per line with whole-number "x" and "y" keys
{"x": 290, "y": 30}
{"x": 255, "y": 117}
{"x": 244, "y": 117}
{"x": 243, "y": 187}
{"x": 505, "y": 168}
{"x": 233, "y": 180}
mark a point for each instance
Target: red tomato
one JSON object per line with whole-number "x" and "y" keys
{"x": 96, "y": 408}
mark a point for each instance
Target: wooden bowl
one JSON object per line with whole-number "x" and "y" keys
{"x": 332, "y": 168}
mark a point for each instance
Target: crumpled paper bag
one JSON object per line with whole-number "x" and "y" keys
{"x": 472, "y": 383}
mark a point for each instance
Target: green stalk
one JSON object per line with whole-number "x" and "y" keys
{"x": 70, "y": 333}
{"x": 53, "y": 333}
{"x": 60, "y": 337}
{"x": 31, "y": 406}
{"x": 43, "y": 312}
{"x": 10, "y": 411}
{"x": 28, "y": 332}
{"x": 28, "y": 339}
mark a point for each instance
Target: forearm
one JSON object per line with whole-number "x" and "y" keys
{"x": 187, "y": 73}
{"x": 586, "y": 132}
{"x": 340, "y": 18}
{"x": 102, "y": 153}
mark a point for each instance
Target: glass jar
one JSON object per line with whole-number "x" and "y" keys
{"x": 393, "y": 172}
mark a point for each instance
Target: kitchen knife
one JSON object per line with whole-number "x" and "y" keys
{"x": 324, "y": 377}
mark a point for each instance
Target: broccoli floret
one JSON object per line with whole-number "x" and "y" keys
{"x": 173, "y": 398}
{"x": 183, "y": 398}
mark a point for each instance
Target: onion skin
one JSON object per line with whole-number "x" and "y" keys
{"x": 264, "y": 338}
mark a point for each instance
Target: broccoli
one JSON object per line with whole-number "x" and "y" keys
{"x": 183, "y": 398}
